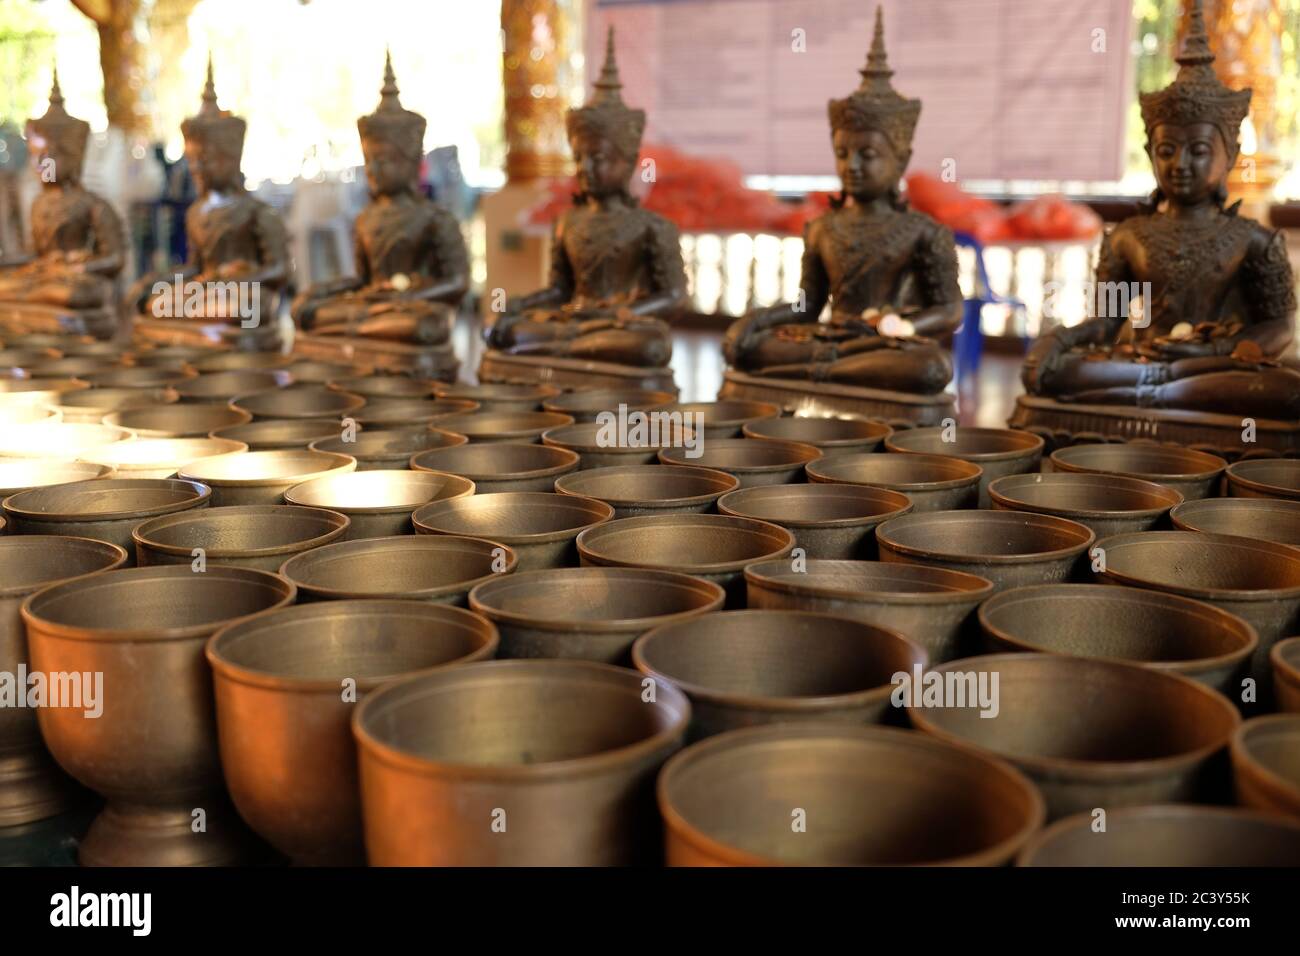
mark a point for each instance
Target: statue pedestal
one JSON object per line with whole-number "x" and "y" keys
{"x": 570, "y": 374}
{"x": 824, "y": 399}
{"x": 423, "y": 361}
{"x": 201, "y": 334}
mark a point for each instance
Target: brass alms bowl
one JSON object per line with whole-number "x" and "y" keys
{"x": 541, "y": 527}
{"x": 388, "y": 449}
{"x": 261, "y": 537}
{"x": 90, "y": 405}
{"x": 723, "y": 418}
{"x": 754, "y": 462}
{"x": 223, "y": 386}
{"x": 279, "y": 435}
{"x": 502, "y": 426}
{"x": 1149, "y": 737}
{"x": 797, "y": 666}
{"x": 588, "y": 613}
{"x": 44, "y": 391}
{"x": 438, "y": 568}
{"x": 883, "y": 796}
{"x": 137, "y": 376}
{"x": 407, "y": 412}
{"x": 998, "y": 451}
{"x": 934, "y": 608}
{"x": 547, "y": 734}
{"x": 159, "y": 457}
{"x": 299, "y": 402}
{"x": 372, "y": 387}
{"x": 1266, "y": 764}
{"x": 498, "y": 396}
{"x": 600, "y": 445}
{"x": 22, "y": 475}
{"x": 834, "y": 436}
{"x": 312, "y": 372}
{"x": 1285, "y": 658}
{"x": 57, "y": 440}
{"x": 634, "y": 490}
{"x": 177, "y": 421}
{"x": 1108, "y": 504}
{"x": 827, "y": 521}
{"x": 153, "y": 750}
{"x": 287, "y": 749}
{"x": 1264, "y": 519}
{"x": 1193, "y": 474}
{"x": 34, "y": 788}
{"x": 507, "y": 466}
{"x": 1161, "y": 631}
{"x": 74, "y": 366}
{"x": 932, "y": 482}
{"x": 170, "y": 356}
{"x": 262, "y": 477}
{"x": 378, "y": 503}
{"x": 223, "y": 361}
{"x": 1264, "y": 478}
{"x": 29, "y": 415}
{"x": 1010, "y": 548}
{"x": 584, "y": 405}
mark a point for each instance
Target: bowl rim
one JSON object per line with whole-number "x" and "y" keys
{"x": 348, "y": 463}
{"x": 349, "y": 402}
{"x": 879, "y": 430}
{"x": 817, "y": 473}
{"x": 417, "y": 433}
{"x": 558, "y": 470}
{"x": 1179, "y": 516}
{"x": 802, "y": 454}
{"x": 771, "y": 530}
{"x": 884, "y": 540}
{"x": 1266, "y": 776}
{"x": 598, "y": 507}
{"x": 339, "y": 522}
{"x": 542, "y": 422}
{"x": 410, "y": 410}
{"x": 115, "y": 551}
{"x": 853, "y": 521}
{"x": 1196, "y": 591}
{"x": 1277, "y": 656}
{"x": 756, "y": 573}
{"x": 1208, "y": 473}
{"x": 999, "y": 493}
{"x": 200, "y": 495}
{"x": 180, "y": 408}
{"x": 718, "y": 477}
{"x": 1034, "y": 444}
{"x": 554, "y": 438}
{"x": 651, "y": 399}
{"x": 464, "y": 488}
{"x": 1236, "y": 478}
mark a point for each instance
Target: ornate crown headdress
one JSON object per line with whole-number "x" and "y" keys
{"x": 391, "y": 122}
{"x": 213, "y": 126}
{"x": 1197, "y": 95}
{"x": 66, "y": 135}
{"x": 605, "y": 115}
{"x": 875, "y": 104}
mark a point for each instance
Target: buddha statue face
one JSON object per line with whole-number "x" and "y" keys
{"x": 866, "y": 163}
{"x": 213, "y": 169}
{"x": 1191, "y": 161}
{"x": 52, "y": 165}
{"x": 389, "y": 171}
{"x": 602, "y": 169}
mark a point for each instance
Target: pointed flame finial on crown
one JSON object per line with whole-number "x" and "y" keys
{"x": 388, "y": 93}
{"x": 63, "y": 134}
{"x": 209, "y": 105}
{"x": 608, "y": 85}
{"x": 392, "y": 122}
{"x": 875, "y": 104}
{"x": 56, "y": 94}
{"x": 605, "y": 114}
{"x": 877, "y": 67}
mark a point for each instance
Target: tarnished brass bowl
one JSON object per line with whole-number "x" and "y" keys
{"x": 883, "y": 796}
{"x": 43, "y": 391}
{"x": 1193, "y": 474}
{"x": 172, "y": 356}
{"x": 547, "y": 736}
{"x": 278, "y": 435}
{"x": 158, "y": 457}
{"x": 388, "y": 449}
{"x": 406, "y": 412}
{"x": 584, "y": 405}
{"x": 1162, "y": 631}
{"x": 723, "y": 418}
{"x": 223, "y": 361}
{"x": 931, "y": 607}
{"x": 998, "y": 451}
{"x": 498, "y": 396}
{"x": 1108, "y": 504}
{"x": 588, "y": 613}
{"x": 287, "y": 749}
{"x": 742, "y": 668}
{"x": 177, "y": 421}
{"x": 827, "y": 521}
{"x": 378, "y": 503}
{"x": 482, "y": 427}
{"x": 383, "y": 386}
{"x": 20, "y": 475}
{"x": 153, "y": 750}
{"x": 106, "y": 351}
{"x": 1256, "y": 580}
{"x": 298, "y": 402}
{"x": 1266, "y": 764}
{"x": 438, "y": 568}
{"x": 714, "y": 547}
{"x": 261, "y": 537}
{"x": 932, "y": 482}
{"x": 74, "y": 366}
{"x": 29, "y": 415}
{"x": 262, "y": 477}
{"x": 834, "y": 436}
{"x": 28, "y": 358}
{"x": 90, "y": 405}
{"x": 1148, "y": 737}
{"x": 1264, "y": 478}
{"x": 310, "y": 371}
{"x": 1010, "y": 548}
{"x": 223, "y": 386}
{"x": 1285, "y": 658}
{"x": 33, "y": 786}
{"x": 634, "y": 490}
{"x": 541, "y": 527}
{"x": 1264, "y": 519}
{"x": 137, "y": 376}
{"x": 1170, "y": 835}
{"x": 507, "y": 466}
{"x": 52, "y": 441}
{"x": 755, "y": 463}
{"x": 106, "y": 509}
{"x": 600, "y": 445}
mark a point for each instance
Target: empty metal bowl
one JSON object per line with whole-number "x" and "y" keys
{"x": 400, "y": 412}
{"x": 277, "y": 435}
{"x": 262, "y": 477}
{"x": 541, "y": 527}
{"x": 546, "y": 735}
{"x": 383, "y": 386}
{"x": 502, "y": 426}
{"x": 52, "y": 441}
{"x": 1285, "y": 658}
{"x": 588, "y": 613}
{"x": 932, "y": 607}
{"x": 322, "y": 373}
{"x": 634, "y": 490}
{"x": 223, "y": 386}
{"x": 284, "y": 723}
{"x": 714, "y": 547}
{"x": 1108, "y": 504}
{"x": 998, "y": 451}
{"x": 721, "y": 419}
{"x": 159, "y": 457}
{"x": 388, "y": 449}
{"x": 223, "y": 361}
{"x": 1264, "y": 519}
{"x": 584, "y": 405}
{"x": 755, "y": 463}
{"x": 90, "y": 405}
{"x": 507, "y": 466}
{"x": 29, "y": 415}
{"x": 44, "y": 391}
{"x": 1266, "y": 764}
{"x": 139, "y": 376}
{"x": 1193, "y": 474}
{"x": 867, "y": 795}
{"x": 177, "y": 421}
{"x": 601, "y": 446}
{"x": 298, "y": 402}
{"x": 498, "y": 396}
{"x": 1091, "y": 733}
{"x": 20, "y": 475}
{"x": 742, "y": 668}
{"x": 378, "y": 503}
{"x": 171, "y": 356}
{"x": 28, "y": 358}
{"x": 827, "y": 521}
{"x": 1162, "y": 631}
{"x": 439, "y": 568}
{"x": 1264, "y": 478}
{"x": 932, "y": 482}
{"x": 73, "y": 366}
{"x": 261, "y": 537}
{"x": 1010, "y": 548}
{"x": 834, "y": 436}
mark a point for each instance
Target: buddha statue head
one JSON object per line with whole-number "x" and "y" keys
{"x": 58, "y": 141}
{"x": 1193, "y": 123}
{"x": 214, "y": 143}
{"x": 392, "y": 139}
{"x": 871, "y": 129}
{"x": 605, "y": 134}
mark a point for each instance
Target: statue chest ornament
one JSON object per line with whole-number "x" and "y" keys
{"x": 395, "y": 237}
{"x": 867, "y": 258}
{"x": 225, "y": 229}
{"x": 606, "y": 250}
{"x": 62, "y": 221}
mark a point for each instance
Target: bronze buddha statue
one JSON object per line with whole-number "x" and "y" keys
{"x": 888, "y": 272}
{"x": 412, "y": 265}
{"x": 69, "y": 285}
{"x": 1218, "y": 293}
{"x": 616, "y": 268}
{"x": 237, "y": 244}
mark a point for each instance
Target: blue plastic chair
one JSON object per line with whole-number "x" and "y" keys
{"x": 968, "y": 341}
